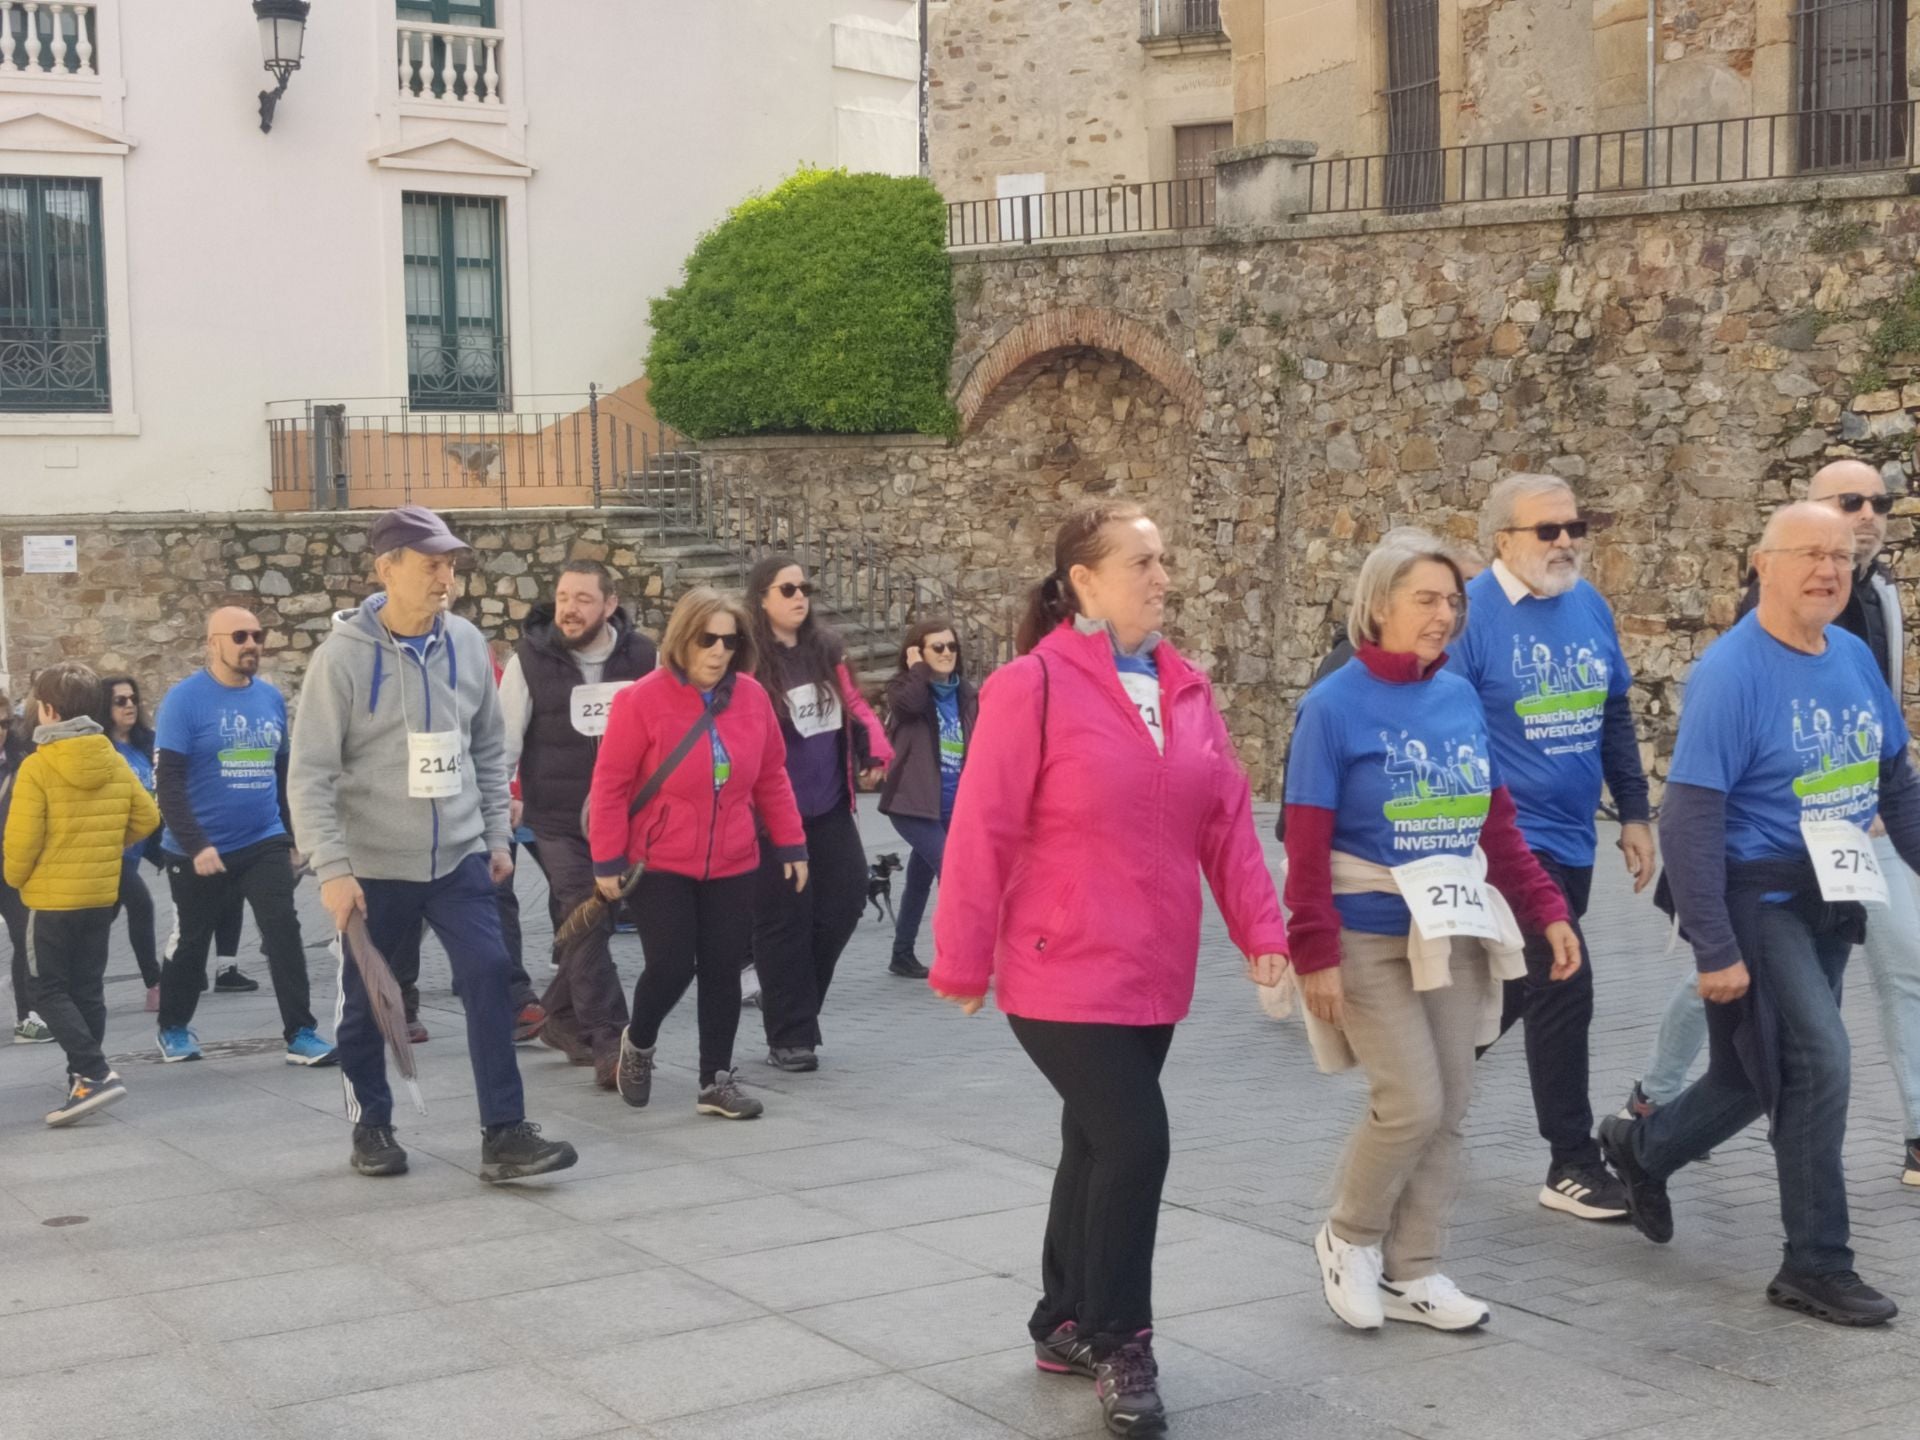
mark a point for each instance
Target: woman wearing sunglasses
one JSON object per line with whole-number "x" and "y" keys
{"x": 126, "y": 725}
{"x": 702, "y": 733}
{"x": 834, "y": 744}
{"x": 931, "y": 707}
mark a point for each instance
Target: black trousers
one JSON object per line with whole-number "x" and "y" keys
{"x": 137, "y": 901}
{"x": 692, "y": 928}
{"x": 585, "y": 994}
{"x": 1096, "y": 1268}
{"x": 1558, "y": 1015}
{"x": 262, "y": 875}
{"x": 67, "y": 959}
{"x": 13, "y": 913}
{"x": 226, "y": 930}
{"x": 797, "y": 938}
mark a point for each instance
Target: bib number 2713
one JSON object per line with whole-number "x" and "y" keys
{"x": 1843, "y": 858}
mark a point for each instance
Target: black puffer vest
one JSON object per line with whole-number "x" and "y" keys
{"x": 556, "y": 762}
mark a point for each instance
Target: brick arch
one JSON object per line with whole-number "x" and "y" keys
{"x": 1016, "y": 357}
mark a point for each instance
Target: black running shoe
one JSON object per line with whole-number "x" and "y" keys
{"x": 1127, "y": 1386}
{"x": 1647, "y": 1203}
{"x": 907, "y": 967}
{"x": 1588, "y": 1191}
{"x": 800, "y": 1059}
{"x": 376, "y": 1152}
{"x": 231, "y": 982}
{"x": 1839, "y": 1298}
{"x": 516, "y": 1152}
{"x": 1064, "y": 1352}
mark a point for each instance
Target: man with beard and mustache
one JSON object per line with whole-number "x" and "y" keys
{"x": 1541, "y": 647}
{"x": 222, "y": 779}
{"x": 555, "y": 692}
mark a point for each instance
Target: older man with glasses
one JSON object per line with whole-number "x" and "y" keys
{"x": 1542, "y": 649}
{"x": 222, "y": 780}
{"x": 1791, "y": 746}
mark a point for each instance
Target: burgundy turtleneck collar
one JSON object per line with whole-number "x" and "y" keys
{"x": 1398, "y": 667}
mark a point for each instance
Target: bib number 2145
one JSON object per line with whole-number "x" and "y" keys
{"x": 436, "y": 766}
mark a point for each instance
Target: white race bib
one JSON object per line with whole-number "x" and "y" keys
{"x": 1448, "y": 896}
{"x": 1843, "y": 858}
{"x": 436, "y": 767}
{"x": 589, "y": 705}
{"x": 1144, "y": 691}
{"x": 810, "y": 717}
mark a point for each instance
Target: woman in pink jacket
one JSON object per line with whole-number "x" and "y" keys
{"x": 834, "y": 744}
{"x": 1100, "y": 785}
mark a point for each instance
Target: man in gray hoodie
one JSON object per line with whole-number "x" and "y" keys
{"x": 399, "y": 790}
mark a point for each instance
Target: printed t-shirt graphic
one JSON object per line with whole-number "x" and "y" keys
{"x": 232, "y": 739}
{"x": 1545, "y": 669}
{"x": 1406, "y": 769}
{"x": 1787, "y": 737}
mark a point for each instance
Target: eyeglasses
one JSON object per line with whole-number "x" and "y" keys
{"x": 1851, "y": 502}
{"x": 789, "y": 589}
{"x": 1813, "y": 555}
{"x": 1550, "y": 532}
{"x": 944, "y": 647}
{"x": 120, "y": 700}
{"x": 1429, "y": 601}
{"x": 247, "y": 637}
{"x": 708, "y": 640}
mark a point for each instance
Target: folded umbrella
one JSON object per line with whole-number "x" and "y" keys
{"x": 590, "y": 914}
{"x": 383, "y": 994}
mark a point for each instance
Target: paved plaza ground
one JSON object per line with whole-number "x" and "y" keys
{"x": 200, "y": 1262}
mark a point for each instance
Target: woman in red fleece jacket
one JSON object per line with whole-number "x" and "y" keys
{"x": 1391, "y": 783}
{"x": 1100, "y": 785}
{"x": 697, "y": 836}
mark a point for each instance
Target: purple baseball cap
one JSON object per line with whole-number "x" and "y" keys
{"x": 413, "y": 527}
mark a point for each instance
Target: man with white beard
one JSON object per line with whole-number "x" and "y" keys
{"x": 1541, "y": 647}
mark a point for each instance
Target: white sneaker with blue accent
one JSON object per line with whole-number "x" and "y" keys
{"x": 1433, "y": 1301}
{"x": 307, "y": 1048}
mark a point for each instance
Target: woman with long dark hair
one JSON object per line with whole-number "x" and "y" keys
{"x": 931, "y": 707}
{"x": 834, "y": 743}
{"x": 1101, "y": 785}
{"x": 125, "y": 722}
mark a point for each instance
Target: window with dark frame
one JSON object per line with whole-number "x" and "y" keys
{"x": 53, "y": 302}
{"x": 1414, "y": 163}
{"x": 456, "y": 333}
{"x": 1850, "y": 81}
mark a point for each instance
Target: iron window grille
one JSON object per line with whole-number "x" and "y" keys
{"x": 53, "y": 308}
{"x": 456, "y": 336}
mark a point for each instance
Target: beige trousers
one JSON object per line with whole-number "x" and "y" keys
{"x": 1401, "y": 1169}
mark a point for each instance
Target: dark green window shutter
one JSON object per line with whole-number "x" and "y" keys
{"x": 456, "y": 330}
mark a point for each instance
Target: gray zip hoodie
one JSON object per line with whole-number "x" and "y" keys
{"x": 347, "y": 774}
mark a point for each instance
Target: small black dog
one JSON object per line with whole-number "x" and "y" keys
{"x": 880, "y": 884}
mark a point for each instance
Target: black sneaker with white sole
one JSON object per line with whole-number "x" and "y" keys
{"x": 1647, "y": 1203}
{"x": 725, "y": 1097}
{"x": 1839, "y": 1298}
{"x": 1588, "y": 1191}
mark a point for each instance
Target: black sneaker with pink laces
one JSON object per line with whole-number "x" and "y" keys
{"x": 1127, "y": 1384}
{"x": 1064, "y": 1352}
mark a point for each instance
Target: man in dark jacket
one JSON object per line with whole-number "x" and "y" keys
{"x": 574, "y": 656}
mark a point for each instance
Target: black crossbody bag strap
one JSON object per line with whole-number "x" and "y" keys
{"x": 667, "y": 766}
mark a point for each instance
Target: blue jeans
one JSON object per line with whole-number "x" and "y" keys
{"x": 1801, "y": 973}
{"x": 928, "y": 840}
{"x": 1892, "y": 953}
{"x": 465, "y": 915}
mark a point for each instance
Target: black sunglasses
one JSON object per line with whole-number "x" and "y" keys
{"x": 1550, "y": 532}
{"x": 244, "y": 637}
{"x": 1851, "y": 502}
{"x": 789, "y": 589}
{"x": 708, "y": 640}
{"x": 120, "y": 700}
{"x": 944, "y": 647}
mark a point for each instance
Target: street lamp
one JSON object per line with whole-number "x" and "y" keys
{"x": 283, "y": 29}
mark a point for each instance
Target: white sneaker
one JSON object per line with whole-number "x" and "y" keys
{"x": 1350, "y": 1275}
{"x": 1435, "y": 1301}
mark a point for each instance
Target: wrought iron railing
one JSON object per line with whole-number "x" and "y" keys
{"x": 1750, "y": 148}
{"x": 53, "y": 368}
{"x": 465, "y": 372}
{"x": 1164, "y": 19}
{"x": 1071, "y": 214}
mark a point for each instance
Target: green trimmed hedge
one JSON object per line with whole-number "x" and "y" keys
{"x": 823, "y": 307}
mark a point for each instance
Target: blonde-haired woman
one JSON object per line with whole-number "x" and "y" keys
{"x": 691, "y": 768}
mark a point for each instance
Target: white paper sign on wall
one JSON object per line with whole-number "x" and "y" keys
{"x": 49, "y": 555}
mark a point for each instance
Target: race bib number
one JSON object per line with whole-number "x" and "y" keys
{"x": 436, "y": 766}
{"x": 590, "y": 704}
{"x": 1144, "y": 691}
{"x": 1843, "y": 858}
{"x": 1448, "y": 897}
{"x": 810, "y": 716}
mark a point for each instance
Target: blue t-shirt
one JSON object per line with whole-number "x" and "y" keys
{"x": 1786, "y": 736}
{"x": 416, "y": 643}
{"x": 142, "y": 766}
{"x": 1404, "y": 768}
{"x": 953, "y": 740}
{"x": 1545, "y": 670}
{"x": 232, "y": 739}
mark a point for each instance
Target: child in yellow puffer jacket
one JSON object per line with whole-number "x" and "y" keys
{"x": 77, "y": 806}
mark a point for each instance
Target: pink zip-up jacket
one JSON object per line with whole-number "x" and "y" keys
{"x": 1072, "y": 869}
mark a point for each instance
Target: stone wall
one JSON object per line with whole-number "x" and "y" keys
{"x": 147, "y": 582}
{"x": 1684, "y": 362}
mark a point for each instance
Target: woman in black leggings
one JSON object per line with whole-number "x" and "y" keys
{"x": 125, "y": 722}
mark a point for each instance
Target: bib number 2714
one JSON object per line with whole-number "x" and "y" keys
{"x": 1448, "y": 897}
{"x": 1843, "y": 858}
